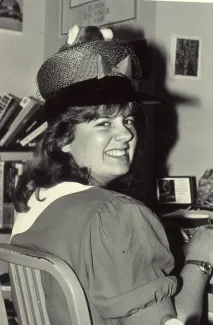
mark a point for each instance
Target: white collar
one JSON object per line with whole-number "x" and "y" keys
{"x": 23, "y": 221}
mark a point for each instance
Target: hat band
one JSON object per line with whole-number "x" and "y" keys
{"x": 107, "y": 90}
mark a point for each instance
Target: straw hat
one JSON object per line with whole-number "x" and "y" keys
{"x": 91, "y": 68}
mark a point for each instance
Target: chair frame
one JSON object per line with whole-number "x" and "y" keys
{"x": 25, "y": 271}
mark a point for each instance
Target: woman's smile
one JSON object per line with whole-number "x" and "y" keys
{"x": 117, "y": 153}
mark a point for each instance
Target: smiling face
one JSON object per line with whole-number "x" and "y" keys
{"x": 105, "y": 145}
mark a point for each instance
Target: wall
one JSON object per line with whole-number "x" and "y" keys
{"x": 193, "y": 152}
{"x": 53, "y": 39}
{"x": 22, "y": 53}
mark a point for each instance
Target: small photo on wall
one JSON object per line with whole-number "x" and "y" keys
{"x": 11, "y": 15}
{"x": 186, "y": 57}
{"x": 166, "y": 190}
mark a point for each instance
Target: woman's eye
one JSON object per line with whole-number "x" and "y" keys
{"x": 129, "y": 121}
{"x": 104, "y": 123}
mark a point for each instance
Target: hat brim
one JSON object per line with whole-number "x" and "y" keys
{"x": 107, "y": 90}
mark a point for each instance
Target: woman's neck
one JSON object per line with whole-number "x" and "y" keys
{"x": 94, "y": 182}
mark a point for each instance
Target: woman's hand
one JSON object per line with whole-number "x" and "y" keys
{"x": 200, "y": 246}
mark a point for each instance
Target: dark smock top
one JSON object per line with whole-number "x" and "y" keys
{"x": 116, "y": 246}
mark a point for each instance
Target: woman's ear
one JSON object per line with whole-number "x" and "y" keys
{"x": 66, "y": 148}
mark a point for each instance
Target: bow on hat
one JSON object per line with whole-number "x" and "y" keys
{"x": 104, "y": 68}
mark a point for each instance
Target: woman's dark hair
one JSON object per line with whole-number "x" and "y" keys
{"x": 49, "y": 165}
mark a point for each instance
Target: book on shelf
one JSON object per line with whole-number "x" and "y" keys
{"x": 34, "y": 135}
{"x": 33, "y": 143}
{"x": 29, "y": 106}
{"x": 17, "y": 155}
{"x": 34, "y": 127}
{"x": 4, "y": 102}
{"x": 10, "y": 114}
{"x": 9, "y": 173}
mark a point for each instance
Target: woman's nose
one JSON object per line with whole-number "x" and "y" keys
{"x": 123, "y": 134}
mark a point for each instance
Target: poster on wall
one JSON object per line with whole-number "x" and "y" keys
{"x": 95, "y": 12}
{"x": 186, "y": 57}
{"x": 11, "y": 15}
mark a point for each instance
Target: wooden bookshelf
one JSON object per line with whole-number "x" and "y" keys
{"x": 14, "y": 154}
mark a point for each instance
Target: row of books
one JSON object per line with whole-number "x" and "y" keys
{"x": 9, "y": 173}
{"x": 11, "y": 166}
{"x": 22, "y": 121}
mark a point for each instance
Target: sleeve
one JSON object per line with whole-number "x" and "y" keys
{"x": 128, "y": 263}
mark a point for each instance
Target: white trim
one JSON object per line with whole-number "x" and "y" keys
{"x": 25, "y": 220}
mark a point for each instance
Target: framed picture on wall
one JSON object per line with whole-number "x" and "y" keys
{"x": 11, "y": 15}
{"x": 95, "y": 12}
{"x": 186, "y": 57}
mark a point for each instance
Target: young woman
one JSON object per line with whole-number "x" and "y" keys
{"x": 115, "y": 244}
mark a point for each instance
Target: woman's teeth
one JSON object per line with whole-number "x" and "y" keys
{"x": 116, "y": 153}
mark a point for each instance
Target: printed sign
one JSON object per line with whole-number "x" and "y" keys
{"x": 98, "y": 12}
